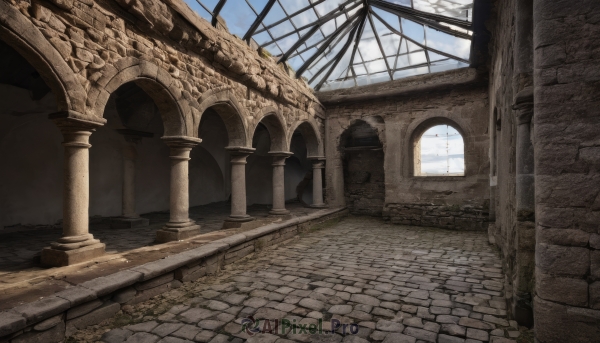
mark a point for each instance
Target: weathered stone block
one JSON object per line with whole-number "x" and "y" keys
{"x": 77, "y": 295}
{"x": 144, "y": 295}
{"x": 124, "y": 295}
{"x": 583, "y": 324}
{"x": 186, "y": 274}
{"x": 53, "y": 335}
{"x": 595, "y": 264}
{"x": 108, "y": 284}
{"x": 595, "y": 295}
{"x": 557, "y": 259}
{"x": 157, "y": 281}
{"x": 11, "y": 322}
{"x": 107, "y": 310}
{"x": 42, "y": 309}
{"x": 80, "y": 310}
{"x": 48, "y": 323}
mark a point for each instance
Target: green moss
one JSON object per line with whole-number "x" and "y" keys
{"x": 121, "y": 320}
{"x": 264, "y": 53}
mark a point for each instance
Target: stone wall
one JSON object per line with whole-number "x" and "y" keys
{"x": 88, "y": 51}
{"x": 502, "y": 126}
{"x": 461, "y": 99}
{"x": 364, "y": 185}
{"x": 567, "y": 175}
{"x": 453, "y": 217}
{"x": 85, "y": 50}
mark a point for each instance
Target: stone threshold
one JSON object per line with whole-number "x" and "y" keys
{"x": 57, "y": 316}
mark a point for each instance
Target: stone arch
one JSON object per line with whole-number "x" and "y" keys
{"x": 275, "y": 123}
{"x": 175, "y": 111}
{"x": 418, "y": 128}
{"x": 376, "y": 123}
{"x": 234, "y": 115}
{"x": 310, "y": 131}
{"x": 19, "y": 32}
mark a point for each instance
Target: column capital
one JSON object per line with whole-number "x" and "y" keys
{"x": 279, "y": 157}
{"x": 285, "y": 154}
{"x": 181, "y": 141}
{"x": 70, "y": 121}
{"x": 317, "y": 161}
{"x": 133, "y": 136}
{"x": 523, "y": 106}
{"x": 239, "y": 151}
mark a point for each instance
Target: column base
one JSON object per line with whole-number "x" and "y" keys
{"x": 279, "y": 212}
{"x": 59, "y": 258}
{"x": 172, "y": 234}
{"x": 128, "y": 223}
{"x": 522, "y": 309}
{"x": 318, "y": 206}
{"x": 236, "y": 222}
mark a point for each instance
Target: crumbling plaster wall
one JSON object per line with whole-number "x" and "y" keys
{"x": 452, "y": 202}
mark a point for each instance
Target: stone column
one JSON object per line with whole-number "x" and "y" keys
{"x": 525, "y": 198}
{"x": 238, "y": 187}
{"x": 279, "y": 182}
{"x": 524, "y": 266}
{"x": 129, "y": 218}
{"x": 77, "y": 244}
{"x": 179, "y": 226}
{"x": 318, "y": 166}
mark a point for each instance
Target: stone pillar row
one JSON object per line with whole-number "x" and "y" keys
{"x": 78, "y": 245}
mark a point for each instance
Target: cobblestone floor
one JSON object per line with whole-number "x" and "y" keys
{"x": 20, "y": 244}
{"x": 398, "y": 283}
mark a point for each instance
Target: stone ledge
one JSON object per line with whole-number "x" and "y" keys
{"x": 420, "y": 83}
{"x": 185, "y": 266}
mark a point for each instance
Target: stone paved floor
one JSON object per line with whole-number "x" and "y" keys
{"x": 398, "y": 283}
{"x": 19, "y": 245}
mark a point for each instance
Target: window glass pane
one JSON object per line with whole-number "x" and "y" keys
{"x": 447, "y": 43}
{"x": 275, "y": 14}
{"x": 413, "y": 30}
{"x": 442, "y": 152}
{"x": 388, "y": 44}
{"x": 304, "y": 18}
{"x": 282, "y": 29}
{"x": 360, "y": 69}
{"x": 410, "y": 72}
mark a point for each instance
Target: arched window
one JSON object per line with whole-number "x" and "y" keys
{"x": 440, "y": 151}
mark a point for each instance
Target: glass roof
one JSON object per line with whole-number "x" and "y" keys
{"x": 335, "y": 44}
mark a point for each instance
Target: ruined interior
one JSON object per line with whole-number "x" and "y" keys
{"x": 299, "y": 171}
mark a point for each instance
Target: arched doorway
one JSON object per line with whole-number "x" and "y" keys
{"x": 364, "y": 178}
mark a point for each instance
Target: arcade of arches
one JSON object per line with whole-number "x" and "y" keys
{"x": 140, "y": 143}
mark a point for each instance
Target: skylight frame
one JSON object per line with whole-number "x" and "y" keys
{"x": 313, "y": 44}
